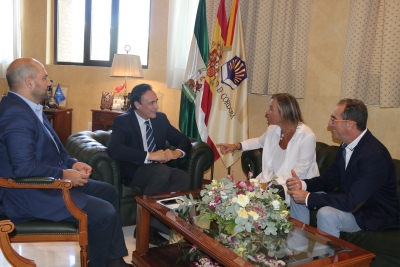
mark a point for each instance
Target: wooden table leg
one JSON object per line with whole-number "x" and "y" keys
{"x": 142, "y": 230}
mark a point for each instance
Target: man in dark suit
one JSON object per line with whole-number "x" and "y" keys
{"x": 138, "y": 142}
{"x": 30, "y": 147}
{"x": 365, "y": 173}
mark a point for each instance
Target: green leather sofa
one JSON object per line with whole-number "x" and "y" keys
{"x": 384, "y": 244}
{"x": 91, "y": 148}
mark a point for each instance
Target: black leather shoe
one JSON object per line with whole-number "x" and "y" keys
{"x": 115, "y": 263}
{"x": 157, "y": 240}
{"x": 118, "y": 263}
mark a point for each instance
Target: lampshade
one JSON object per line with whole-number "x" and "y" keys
{"x": 125, "y": 65}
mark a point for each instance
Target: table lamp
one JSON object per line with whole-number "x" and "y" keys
{"x": 126, "y": 65}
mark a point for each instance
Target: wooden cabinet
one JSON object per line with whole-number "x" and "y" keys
{"x": 103, "y": 119}
{"x": 61, "y": 121}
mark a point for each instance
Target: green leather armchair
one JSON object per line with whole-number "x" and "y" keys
{"x": 42, "y": 230}
{"x": 384, "y": 244}
{"x": 91, "y": 148}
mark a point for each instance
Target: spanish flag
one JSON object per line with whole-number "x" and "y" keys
{"x": 213, "y": 69}
{"x": 228, "y": 119}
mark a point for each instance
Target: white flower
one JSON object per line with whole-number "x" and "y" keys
{"x": 243, "y": 200}
{"x": 254, "y": 215}
{"x": 210, "y": 193}
{"x": 276, "y": 204}
{"x": 242, "y": 213}
{"x": 284, "y": 213}
{"x": 250, "y": 194}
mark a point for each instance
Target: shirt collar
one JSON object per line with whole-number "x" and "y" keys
{"x": 353, "y": 144}
{"x": 37, "y": 108}
{"x": 141, "y": 121}
{"x": 278, "y": 131}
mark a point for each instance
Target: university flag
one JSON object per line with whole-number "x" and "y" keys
{"x": 217, "y": 47}
{"x": 191, "y": 117}
{"x": 58, "y": 95}
{"x": 228, "y": 122}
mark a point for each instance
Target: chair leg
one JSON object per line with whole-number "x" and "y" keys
{"x": 9, "y": 253}
{"x": 84, "y": 256}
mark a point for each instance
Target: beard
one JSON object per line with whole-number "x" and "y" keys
{"x": 39, "y": 94}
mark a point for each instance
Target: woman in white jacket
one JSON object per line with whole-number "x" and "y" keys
{"x": 288, "y": 144}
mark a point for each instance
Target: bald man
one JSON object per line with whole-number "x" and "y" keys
{"x": 30, "y": 147}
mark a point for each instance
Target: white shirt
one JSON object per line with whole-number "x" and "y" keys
{"x": 350, "y": 147}
{"x": 300, "y": 154}
{"x": 142, "y": 126}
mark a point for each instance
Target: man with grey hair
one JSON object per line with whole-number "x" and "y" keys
{"x": 364, "y": 172}
{"x": 30, "y": 147}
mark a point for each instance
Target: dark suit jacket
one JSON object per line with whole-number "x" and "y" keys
{"x": 367, "y": 186}
{"x": 26, "y": 149}
{"x": 126, "y": 142}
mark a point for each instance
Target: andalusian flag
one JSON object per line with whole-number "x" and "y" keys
{"x": 228, "y": 122}
{"x": 191, "y": 117}
{"x": 213, "y": 69}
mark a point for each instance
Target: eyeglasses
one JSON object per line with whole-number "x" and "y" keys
{"x": 333, "y": 120}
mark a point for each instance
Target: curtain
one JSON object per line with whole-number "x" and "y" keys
{"x": 181, "y": 18}
{"x": 371, "y": 67}
{"x": 10, "y": 32}
{"x": 276, "y": 41}
{"x": 275, "y": 35}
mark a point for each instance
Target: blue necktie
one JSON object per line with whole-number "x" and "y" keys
{"x": 344, "y": 151}
{"x": 151, "y": 144}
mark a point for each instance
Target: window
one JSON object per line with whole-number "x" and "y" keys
{"x": 89, "y": 33}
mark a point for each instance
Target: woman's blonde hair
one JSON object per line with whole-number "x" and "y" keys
{"x": 288, "y": 108}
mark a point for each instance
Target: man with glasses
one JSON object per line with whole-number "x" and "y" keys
{"x": 364, "y": 172}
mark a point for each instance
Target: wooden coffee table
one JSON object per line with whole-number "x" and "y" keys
{"x": 346, "y": 254}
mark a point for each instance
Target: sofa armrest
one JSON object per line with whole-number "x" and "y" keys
{"x": 85, "y": 147}
{"x": 200, "y": 159}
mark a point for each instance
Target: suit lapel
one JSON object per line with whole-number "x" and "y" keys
{"x": 136, "y": 127}
{"x": 57, "y": 141}
{"x": 357, "y": 149}
{"x": 155, "y": 124}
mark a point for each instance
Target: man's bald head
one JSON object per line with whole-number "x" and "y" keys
{"x": 19, "y": 69}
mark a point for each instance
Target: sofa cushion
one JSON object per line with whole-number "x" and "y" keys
{"x": 385, "y": 242}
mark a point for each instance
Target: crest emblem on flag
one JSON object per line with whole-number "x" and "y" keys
{"x": 195, "y": 83}
{"x": 213, "y": 61}
{"x": 233, "y": 72}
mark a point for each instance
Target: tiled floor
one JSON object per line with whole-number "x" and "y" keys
{"x": 61, "y": 254}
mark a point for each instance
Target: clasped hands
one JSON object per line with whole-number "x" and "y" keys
{"x": 164, "y": 156}
{"x": 294, "y": 187}
{"x": 78, "y": 175}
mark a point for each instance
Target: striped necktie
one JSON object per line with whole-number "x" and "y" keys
{"x": 344, "y": 151}
{"x": 151, "y": 144}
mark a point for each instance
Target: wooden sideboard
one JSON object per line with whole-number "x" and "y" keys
{"x": 61, "y": 121}
{"x": 103, "y": 119}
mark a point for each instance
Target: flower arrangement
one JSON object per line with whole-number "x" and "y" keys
{"x": 250, "y": 220}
